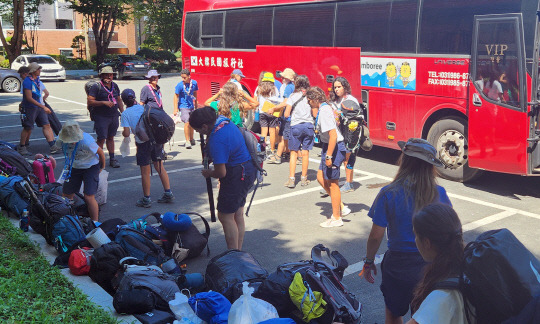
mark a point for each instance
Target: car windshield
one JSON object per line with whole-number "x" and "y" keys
{"x": 41, "y": 59}
{"x": 132, "y": 58}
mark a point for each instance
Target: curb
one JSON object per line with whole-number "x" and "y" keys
{"x": 94, "y": 292}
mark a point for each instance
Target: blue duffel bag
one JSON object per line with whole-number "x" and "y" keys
{"x": 10, "y": 198}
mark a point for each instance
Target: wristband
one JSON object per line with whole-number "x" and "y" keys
{"x": 328, "y": 157}
{"x": 368, "y": 261}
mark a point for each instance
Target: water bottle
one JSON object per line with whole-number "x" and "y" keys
{"x": 24, "y": 221}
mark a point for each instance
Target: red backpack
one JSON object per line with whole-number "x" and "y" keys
{"x": 79, "y": 261}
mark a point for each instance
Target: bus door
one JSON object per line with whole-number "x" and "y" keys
{"x": 534, "y": 105}
{"x": 498, "y": 125}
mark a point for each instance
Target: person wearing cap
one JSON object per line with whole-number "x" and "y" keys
{"x": 34, "y": 110}
{"x": 236, "y": 77}
{"x": 414, "y": 187}
{"x": 106, "y": 106}
{"x": 185, "y": 101}
{"x": 151, "y": 93}
{"x": 268, "y": 93}
{"x": 84, "y": 160}
{"x": 285, "y": 90}
{"x": 146, "y": 151}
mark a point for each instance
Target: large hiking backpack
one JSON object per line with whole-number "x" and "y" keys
{"x": 105, "y": 263}
{"x": 140, "y": 246}
{"x": 87, "y": 86}
{"x": 257, "y": 151}
{"x": 66, "y": 233}
{"x": 10, "y": 197}
{"x": 191, "y": 242}
{"x": 14, "y": 159}
{"x": 352, "y": 118}
{"x": 80, "y": 208}
{"x": 155, "y": 125}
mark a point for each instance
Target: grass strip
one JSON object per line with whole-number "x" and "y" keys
{"x": 32, "y": 291}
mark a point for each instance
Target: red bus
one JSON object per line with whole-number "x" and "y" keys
{"x": 462, "y": 74}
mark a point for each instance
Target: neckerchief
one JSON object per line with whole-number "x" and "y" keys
{"x": 38, "y": 93}
{"x": 160, "y": 102}
{"x": 110, "y": 93}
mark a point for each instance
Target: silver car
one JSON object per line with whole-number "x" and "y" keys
{"x": 10, "y": 81}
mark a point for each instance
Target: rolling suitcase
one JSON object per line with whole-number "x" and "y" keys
{"x": 43, "y": 170}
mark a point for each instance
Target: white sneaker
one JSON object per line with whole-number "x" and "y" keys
{"x": 188, "y": 145}
{"x": 345, "y": 211}
{"x": 332, "y": 222}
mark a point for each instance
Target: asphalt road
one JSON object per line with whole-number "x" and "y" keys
{"x": 283, "y": 223}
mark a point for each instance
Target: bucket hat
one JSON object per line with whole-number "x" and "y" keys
{"x": 420, "y": 149}
{"x": 239, "y": 72}
{"x": 268, "y": 77}
{"x": 33, "y": 67}
{"x": 71, "y": 132}
{"x": 288, "y": 73}
{"x": 152, "y": 73}
{"x": 106, "y": 69}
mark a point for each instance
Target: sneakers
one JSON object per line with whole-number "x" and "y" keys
{"x": 114, "y": 163}
{"x": 274, "y": 160}
{"x": 290, "y": 183}
{"x": 144, "y": 202}
{"x": 331, "y": 222}
{"x": 345, "y": 210}
{"x": 323, "y": 193}
{"x": 22, "y": 150}
{"x": 347, "y": 187}
{"x": 192, "y": 142}
{"x": 188, "y": 145}
{"x": 54, "y": 149}
{"x": 166, "y": 198}
{"x": 304, "y": 181}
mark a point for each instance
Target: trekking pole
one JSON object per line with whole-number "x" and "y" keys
{"x": 208, "y": 182}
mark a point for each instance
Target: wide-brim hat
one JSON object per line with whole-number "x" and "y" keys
{"x": 33, "y": 67}
{"x": 71, "y": 132}
{"x": 420, "y": 149}
{"x": 288, "y": 73}
{"x": 106, "y": 70}
{"x": 152, "y": 73}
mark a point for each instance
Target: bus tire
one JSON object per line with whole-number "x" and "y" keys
{"x": 449, "y": 137}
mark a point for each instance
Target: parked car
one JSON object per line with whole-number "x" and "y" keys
{"x": 128, "y": 66}
{"x": 10, "y": 81}
{"x": 51, "y": 69}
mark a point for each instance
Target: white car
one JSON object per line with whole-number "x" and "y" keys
{"x": 51, "y": 69}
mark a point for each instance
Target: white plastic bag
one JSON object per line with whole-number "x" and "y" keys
{"x": 250, "y": 310}
{"x": 101, "y": 194}
{"x": 124, "y": 147}
{"x": 182, "y": 311}
{"x": 176, "y": 119}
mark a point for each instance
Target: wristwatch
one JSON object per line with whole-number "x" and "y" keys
{"x": 328, "y": 157}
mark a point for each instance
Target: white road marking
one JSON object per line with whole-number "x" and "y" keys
{"x": 75, "y": 102}
{"x": 487, "y": 220}
{"x": 156, "y": 174}
{"x": 17, "y": 114}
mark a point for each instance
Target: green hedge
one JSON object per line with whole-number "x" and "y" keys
{"x": 73, "y": 63}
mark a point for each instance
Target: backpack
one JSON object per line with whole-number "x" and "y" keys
{"x": 155, "y": 125}
{"x": 190, "y": 243}
{"x": 80, "y": 208}
{"x": 140, "y": 246}
{"x": 154, "y": 231}
{"x": 10, "y": 197}
{"x": 15, "y": 160}
{"x": 351, "y": 122}
{"x": 66, "y": 233}
{"x": 87, "y": 86}
{"x": 105, "y": 263}
{"x": 257, "y": 151}
{"x": 500, "y": 276}
{"x": 79, "y": 261}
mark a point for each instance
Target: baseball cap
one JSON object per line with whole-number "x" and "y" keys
{"x": 239, "y": 72}
{"x": 128, "y": 93}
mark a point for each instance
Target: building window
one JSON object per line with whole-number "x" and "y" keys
{"x": 67, "y": 52}
{"x": 7, "y": 21}
{"x": 64, "y": 24}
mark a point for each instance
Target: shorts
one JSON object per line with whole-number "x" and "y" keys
{"x": 285, "y": 127}
{"x": 338, "y": 157}
{"x": 33, "y": 115}
{"x": 301, "y": 137}
{"x": 89, "y": 176}
{"x": 268, "y": 120}
{"x": 351, "y": 161}
{"x": 146, "y": 153}
{"x": 105, "y": 126}
{"x": 401, "y": 272}
{"x": 184, "y": 114}
{"x": 233, "y": 190}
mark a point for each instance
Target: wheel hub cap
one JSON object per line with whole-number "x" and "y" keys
{"x": 452, "y": 149}
{"x": 11, "y": 85}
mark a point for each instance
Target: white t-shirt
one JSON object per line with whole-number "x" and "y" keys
{"x": 86, "y": 154}
{"x": 495, "y": 89}
{"x": 273, "y": 99}
{"x": 442, "y": 307}
{"x": 327, "y": 121}
{"x": 302, "y": 110}
{"x": 42, "y": 89}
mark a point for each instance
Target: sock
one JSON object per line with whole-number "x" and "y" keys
{"x": 147, "y": 197}
{"x": 168, "y": 190}
{"x": 292, "y": 178}
{"x": 51, "y": 143}
{"x": 111, "y": 155}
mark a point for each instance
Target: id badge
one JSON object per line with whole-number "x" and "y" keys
{"x": 114, "y": 100}
{"x": 63, "y": 176}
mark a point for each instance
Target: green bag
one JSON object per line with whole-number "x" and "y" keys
{"x": 311, "y": 303}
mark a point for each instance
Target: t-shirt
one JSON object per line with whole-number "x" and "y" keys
{"x": 236, "y": 83}
{"x": 261, "y": 99}
{"x": 235, "y": 113}
{"x": 185, "y": 93}
{"x": 394, "y": 209}
{"x": 285, "y": 90}
{"x": 442, "y": 307}
{"x": 495, "y": 89}
{"x": 86, "y": 154}
{"x": 42, "y": 89}
{"x": 34, "y": 86}
{"x": 130, "y": 117}
{"x": 302, "y": 111}
{"x": 101, "y": 93}
{"x": 328, "y": 121}
{"x": 227, "y": 145}
{"x": 149, "y": 96}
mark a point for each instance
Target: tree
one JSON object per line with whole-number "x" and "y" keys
{"x": 78, "y": 45}
{"x": 164, "y": 22}
{"x": 31, "y": 23}
{"x": 104, "y": 16}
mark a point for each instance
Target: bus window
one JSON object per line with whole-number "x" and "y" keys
{"x": 402, "y": 34}
{"x": 246, "y": 29}
{"x": 301, "y": 25}
{"x": 192, "y": 28}
{"x": 212, "y": 30}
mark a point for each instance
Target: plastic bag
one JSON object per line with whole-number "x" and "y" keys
{"x": 124, "y": 147}
{"x": 176, "y": 119}
{"x": 182, "y": 311}
{"x": 250, "y": 310}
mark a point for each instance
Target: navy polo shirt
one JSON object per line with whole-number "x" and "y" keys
{"x": 149, "y": 96}
{"x": 105, "y": 94}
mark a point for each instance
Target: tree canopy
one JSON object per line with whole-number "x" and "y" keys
{"x": 163, "y": 22}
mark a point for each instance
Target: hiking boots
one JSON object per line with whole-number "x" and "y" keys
{"x": 114, "y": 163}
{"x": 290, "y": 183}
{"x": 144, "y": 202}
{"x": 304, "y": 181}
{"x": 347, "y": 187}
{"x": 166, "y": 198}
{"x": 22, "y": 150}
{"x": 274, "y": 160}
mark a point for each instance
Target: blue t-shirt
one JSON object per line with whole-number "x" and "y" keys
{"x": 149, "y": 96}
{"x": 286, "y": 89}
{"x": 394, "y": 210}
{"x": 86, "y": 154}
{"x": 185, "y": 93}
{"x": 226, "y": 144}
{"x": 130, "y": 118}
{"x": 29, "y": 84}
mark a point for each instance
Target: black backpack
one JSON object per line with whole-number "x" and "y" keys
{"x": 14, "y": 159}
{"x": 105, "y": 263}
{"x": 80, "y": 208}
{"x": 155, "y": 125}
{"x": 351, "y": 122}
{"x": 140, "y": 246}
{"x": 192, "y": 239}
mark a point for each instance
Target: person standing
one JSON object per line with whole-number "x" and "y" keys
{"x": 185, "y": 101}
{"x": 84, "y": 160}
{"x": 285, "y": 90}
{"x": 146, "y": 152}
{"x": 34, "y": 111}
{"x": 106, "y": 106}
{"x": 413, "y": 188}
{"x": 269, "y": 94}
{"x": 236, "y": 78}
{"x": 232, "y": 166}
{"x": 232, "y": 103}
{"x": 151, "y": 93}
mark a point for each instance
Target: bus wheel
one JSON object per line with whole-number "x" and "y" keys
{"x": 448, "y": 136}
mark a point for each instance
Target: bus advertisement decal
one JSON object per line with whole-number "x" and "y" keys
{"x": 389, "y": 73}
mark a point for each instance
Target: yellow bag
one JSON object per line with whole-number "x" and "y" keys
{"x": 311, "y": 303}
{"x": 269, "y": 105}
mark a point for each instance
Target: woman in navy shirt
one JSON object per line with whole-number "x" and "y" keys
{"x": 227, "y": 149}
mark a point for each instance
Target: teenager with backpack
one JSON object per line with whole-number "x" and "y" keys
{"x": 84, "y": 160}
{"x": 146, "y": 152}
{"x": 413, "y": 188}
{"x": 232, "y": 103}
{"x": 227, "y": 149}
{"x": 185, "y": 101}
{"x": 105, "y": 107}
{"x": 439, "y": 238}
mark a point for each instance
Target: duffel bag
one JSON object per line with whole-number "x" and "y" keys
{"x": 10, "y": 199}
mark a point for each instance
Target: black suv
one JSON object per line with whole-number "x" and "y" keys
{"x": 128, "y": 66}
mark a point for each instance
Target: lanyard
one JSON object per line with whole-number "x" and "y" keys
{"x": 69, "y": 162}
{"x": 110, "y": 93}
{"x": 160, "y": 102}
{"x": 187, "y": 91}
